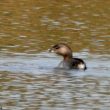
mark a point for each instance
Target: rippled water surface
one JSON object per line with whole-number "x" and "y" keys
{"x": 28, "y": 78}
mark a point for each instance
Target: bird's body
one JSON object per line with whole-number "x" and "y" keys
{"x": 74, "y": 63}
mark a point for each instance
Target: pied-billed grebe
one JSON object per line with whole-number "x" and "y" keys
{"x": 68, "y": 62}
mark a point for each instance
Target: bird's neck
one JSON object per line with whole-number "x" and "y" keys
{"x": 67, "y": 58}
{"x": 67, "y": 61}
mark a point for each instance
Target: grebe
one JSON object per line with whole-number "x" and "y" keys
{"x": 69, "y": 62}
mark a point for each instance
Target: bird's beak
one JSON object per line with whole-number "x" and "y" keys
{"x": 51, "y": 50}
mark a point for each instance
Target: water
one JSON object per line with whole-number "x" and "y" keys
{"x": 28, "y": 78}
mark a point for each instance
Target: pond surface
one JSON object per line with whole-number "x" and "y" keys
{"x": 28, "y": 78}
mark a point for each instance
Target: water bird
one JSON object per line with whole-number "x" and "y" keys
{"x": 69, "y": 62}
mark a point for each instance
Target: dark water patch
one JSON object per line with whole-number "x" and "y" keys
{"x": 61, "y": 91}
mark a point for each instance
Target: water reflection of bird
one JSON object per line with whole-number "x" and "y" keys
{"x": 1, "y": 107}
{"x": 69, "y": 62}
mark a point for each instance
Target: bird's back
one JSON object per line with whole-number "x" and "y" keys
{"x": 78, "y": 63}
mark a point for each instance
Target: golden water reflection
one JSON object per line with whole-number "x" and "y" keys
{"x": 33, "y": 26}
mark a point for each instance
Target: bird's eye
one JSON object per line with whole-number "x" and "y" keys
{"x": 56, "y": 47}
